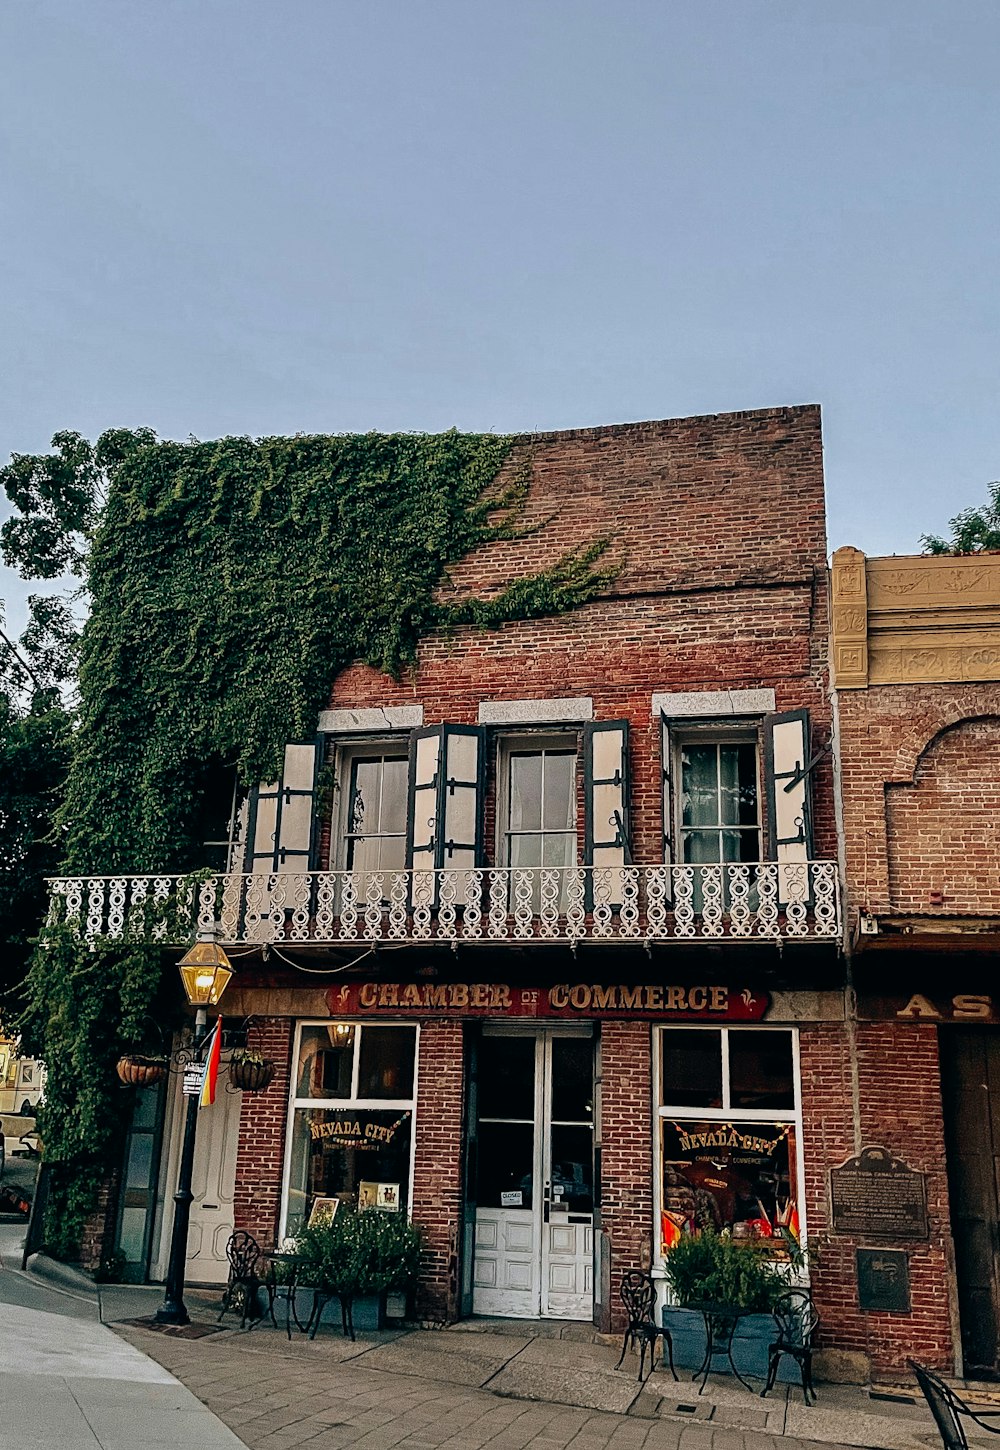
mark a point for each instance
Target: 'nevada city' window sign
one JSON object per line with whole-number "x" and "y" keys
{"x": 700, "y": 1003}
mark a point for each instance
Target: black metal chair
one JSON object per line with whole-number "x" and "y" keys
{"x": 797, "y": 1320}
{"x": 638, "y": 1293}
{"x": 946, "y": 1407}
{"x": 240, "y": 1294}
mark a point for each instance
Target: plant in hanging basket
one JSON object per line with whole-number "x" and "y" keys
{"x": 249, "y": 1071}
{"x": 135, "y": 1070}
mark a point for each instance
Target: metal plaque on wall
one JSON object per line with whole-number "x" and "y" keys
{"x": 879, "y": 1195}
{"x": 883, "y": 1280}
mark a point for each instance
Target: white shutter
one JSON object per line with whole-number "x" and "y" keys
{"x": 788, "y": 793}
{"x": 281, "y": 816}
{"x": 606, "y": 819}
{"x": 461, "y": 845}
{"x": 446, "y": 769}
{"x": 425, "y": 759}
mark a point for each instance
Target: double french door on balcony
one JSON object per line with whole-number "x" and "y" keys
{"x": 532, "y": 1174}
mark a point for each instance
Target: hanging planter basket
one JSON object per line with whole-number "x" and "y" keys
{"x": 251, "y": 1074}
{"x": 137, "y": 1071}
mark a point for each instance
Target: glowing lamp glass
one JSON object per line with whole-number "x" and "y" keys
{"x": 205, "y": 971}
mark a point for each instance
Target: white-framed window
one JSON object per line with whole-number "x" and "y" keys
{"x": 351, "y": 1118}
{"x": 536, "y": 800}
{"x": 727, "y": 1134}
{"x": 718, "y": 801}
{"x": 369, "y": 815}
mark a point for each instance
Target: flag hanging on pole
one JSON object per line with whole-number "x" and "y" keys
{"x": 211, "y": 1076}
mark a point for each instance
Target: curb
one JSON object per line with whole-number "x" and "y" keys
{"x": 62, "y": 1276}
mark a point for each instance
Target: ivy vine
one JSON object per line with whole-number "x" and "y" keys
{"x": 229, "y": 582}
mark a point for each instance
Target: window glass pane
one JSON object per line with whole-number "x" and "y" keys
{"x": 701, "y": 848}
{"x": 146, "y": 1106}
{"x": 525, "y": 792}
{"x": 699, "y": 785}
{"x": 507, "y": 1077}
{"x": 760, "y": 1070}
{"x": 132, "y": 1236}
{"x": 691, "y": 1068}
{"x": 505, "y": 1164}
{"x": 392, "y": 856}
{"x": 394, "y": 787}
{"x": 363, "y": 813}
{"x": 740, "y": 846}
{"x": 324, "y": 1066}
{"x": 337, "y": 1150}
{"x": 735, "y": 1176}
{"x": 746, "y": 763}
{"x": 560, "y": 795}
{"x": 558, "y": 850}
{"x": 386, "y": 1066}
{"x": 363, "y": 856}
{"x": 572, "y": 1079}
{"x": 572, "y": 1169}
{"x": 526, "y": 850}
{"x": 140, "y": 1161}
{"x": 738, "y": 785}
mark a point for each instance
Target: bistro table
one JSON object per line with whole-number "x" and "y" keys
{"x": 280, "y": 1282}
{"x": 720, "y": 1326}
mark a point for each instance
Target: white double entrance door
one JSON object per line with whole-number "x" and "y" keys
{"x": 534, "y": 1173}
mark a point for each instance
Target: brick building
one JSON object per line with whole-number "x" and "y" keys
{"x": 916, "y": 654}
{"x": 557, "y": 963}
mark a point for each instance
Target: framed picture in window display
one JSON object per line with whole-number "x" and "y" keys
{"x": 727, "y": 1135}
{"x": 351, "y": 1129}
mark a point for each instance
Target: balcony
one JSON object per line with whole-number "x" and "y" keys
{"x": 488, "y": 905}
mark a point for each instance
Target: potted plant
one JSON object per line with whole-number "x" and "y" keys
{"x": 714, "y": 1268}
{"x": 135, "y": 1069}
{"x": 250, "y": 1071}
{"x": 363, "y": 1257}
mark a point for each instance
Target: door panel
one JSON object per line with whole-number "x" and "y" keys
{"x": 970, "y": 1076}
{"x": 213, "y": 1183}
{"x": 534, "y": 1184}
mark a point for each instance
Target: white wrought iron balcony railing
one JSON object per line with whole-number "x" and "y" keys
{"x": 489, "y": 904}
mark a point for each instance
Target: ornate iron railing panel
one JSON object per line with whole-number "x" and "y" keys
{"x": 735, "y": 901}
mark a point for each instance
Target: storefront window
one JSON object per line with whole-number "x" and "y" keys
{"x": 352, "y": 1118}
{"x": 727, "y": 1136}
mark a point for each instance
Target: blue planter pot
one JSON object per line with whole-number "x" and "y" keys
{"x": 367, "y": 1311}
{"x": 754, "y": 1334}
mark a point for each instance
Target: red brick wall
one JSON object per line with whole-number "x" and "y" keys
{"x": 921, "y": 783}
{"x": 944, "y": 829}
{"x": 718, "y": 523}
{"x": 900, "y": 1108}
{"x": 260, "y": 1158}
{"x": 626, "y": 1187}
{"x": 437, "y": 1171}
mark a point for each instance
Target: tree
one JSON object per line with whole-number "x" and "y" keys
{"x": 974, "y": 530}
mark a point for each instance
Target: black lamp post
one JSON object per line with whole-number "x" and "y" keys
{"x": 205, "y": 972}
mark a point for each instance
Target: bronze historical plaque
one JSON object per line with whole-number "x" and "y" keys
{"x": 879, "y": 1195}
{"x": 883, "y": 1281}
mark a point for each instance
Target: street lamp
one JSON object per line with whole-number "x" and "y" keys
{"x": 205, "y": 971}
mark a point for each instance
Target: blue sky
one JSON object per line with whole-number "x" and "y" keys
{"x": 232, "y": 216}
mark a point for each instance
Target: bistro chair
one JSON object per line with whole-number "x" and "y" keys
{"x": 638, "y": 1294}
{"x": 797, "y": 1320}
{"x": 240, "y": 1295}
{"x": 946, "y": 1407}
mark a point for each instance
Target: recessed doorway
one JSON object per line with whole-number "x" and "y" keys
{"x": 533, "y": 1173}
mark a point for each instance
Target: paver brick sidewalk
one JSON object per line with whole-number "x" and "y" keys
{"x": 445, "y": 1390}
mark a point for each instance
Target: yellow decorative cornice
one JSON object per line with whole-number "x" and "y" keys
{"x": 914, "y": 619}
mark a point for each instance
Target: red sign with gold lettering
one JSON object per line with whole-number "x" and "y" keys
{"x": 568, "y": 999}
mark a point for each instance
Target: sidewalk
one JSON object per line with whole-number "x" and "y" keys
{"x": 498, "y": 1383}
{"x": 66, "y": 1381}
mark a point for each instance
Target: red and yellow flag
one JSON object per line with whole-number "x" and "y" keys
{"x": 211, "y": 1066}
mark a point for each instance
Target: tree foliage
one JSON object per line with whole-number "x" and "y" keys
{"x": 973, "y": 531}
{"x": 228, "y": 583}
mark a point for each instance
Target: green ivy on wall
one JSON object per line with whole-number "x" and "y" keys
{"x": 229, "y": 582}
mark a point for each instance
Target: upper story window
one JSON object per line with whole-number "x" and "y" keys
{"x": 371, "y": 834}
{"x": 538, "y": 805}
{"x": 719, "y": 801}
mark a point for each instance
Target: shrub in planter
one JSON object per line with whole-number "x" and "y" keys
{"x": 249, "y": 1071}
{"x": 136, "y": 1070}
{"x": 363, "y": 1256}
{"x": 712, "y": 1268}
